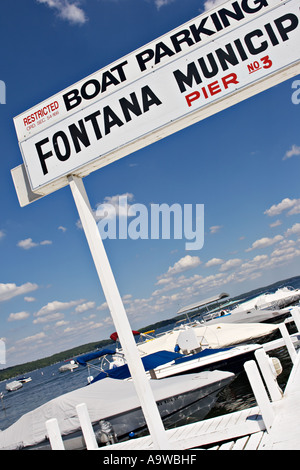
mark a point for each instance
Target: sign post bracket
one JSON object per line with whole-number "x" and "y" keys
{"x": 119, "y": 316}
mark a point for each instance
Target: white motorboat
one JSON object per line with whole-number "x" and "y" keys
{"x": 68, "y": 367}
{"x": 164, "y": 364}
{"x": 24, "y": 380}
{"x": 267, "y": 307}
{"x": 13, "y": 386}
{"x": 247, "y": 316}
{"x": 116, "y": 404}
{"x": 277, "y": 300}
{"x": 218, "y": 335}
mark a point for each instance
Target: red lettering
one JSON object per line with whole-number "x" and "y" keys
{"x": 40, "y": 113}
{"x": 214, "y": 88}
{"x": 231, "y": 78}
{"x": 192, "y": 97}
{"x": 267, "y": 62}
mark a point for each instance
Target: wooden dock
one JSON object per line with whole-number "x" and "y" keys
{"x": 273, "y": 424}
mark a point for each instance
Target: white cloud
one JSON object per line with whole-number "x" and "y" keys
{"x": 214, "y": 262}
{"x": 230, "y": 264}
{"x": 209, "y": 4}
{"x": 215, "y": 228}
{"x": 46, "y": 242}
{"x": 84, "y": 307}
{"x": 264, "y": 242}
{"x": 8, "y": 291}
{"x": 295, "y": 150}
{"x": 276, "y": 224}
{"x": 161, "y": 3}
{"x": 185, "y": 263}
{"x": 295, "y": 229}
{"x": 67, "y": 10}
{"x": 31, "y": 339}
{"x": 27, "y": 244}
{"x": 112, "y": 206}
{"x": 61, "y": 323}
{"x": 103, "y": 306}
{"x": 285, "y": 204}
{"x": 18, "y": 316}
{"x": 29, "y": 299}
{"x": 50, "y": 317}
{"x": 2, "y": 234}
{"x": 56, "y": 305}
{"x": 63, "y": 229}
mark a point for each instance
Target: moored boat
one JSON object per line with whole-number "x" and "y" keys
{"x": 13, "y": 386}
{"x": 116, "y": 403}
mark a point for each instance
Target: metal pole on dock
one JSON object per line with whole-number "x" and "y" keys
{"x": 119, "y": 316}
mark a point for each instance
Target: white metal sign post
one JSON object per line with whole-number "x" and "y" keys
{"x": 118, "y": 313}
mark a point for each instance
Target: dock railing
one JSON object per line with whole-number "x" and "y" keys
{"x": 261, "y": 375}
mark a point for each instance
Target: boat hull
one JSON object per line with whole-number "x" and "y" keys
{"x": 176, "y": 398}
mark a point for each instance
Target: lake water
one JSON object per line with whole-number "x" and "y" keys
{"x": 49, "y": 383}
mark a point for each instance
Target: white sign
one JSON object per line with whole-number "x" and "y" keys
{"x": 247, "y": 43}
{"x": 199, "y": 31}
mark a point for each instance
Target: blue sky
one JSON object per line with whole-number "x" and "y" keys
{"x": 242, "y": 164}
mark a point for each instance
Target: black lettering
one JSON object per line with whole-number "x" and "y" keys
{"x": 271, "y": 34}
{"x": 196, "y": 32}
{"x": 93, "y": 118}
{"x": 227, "y": 56}
{"x": 260, "y": 4}
{"x": 144, "y": 57}
{"x": 95, "y": 87}
{"x": 248, "y": 41}
{"x": 132, "y": 106}
{"x": 110, "y": 119}
{"x": 216, "y": 22}
{"x": 293, "y": 20}
{"x": 108, "y": 79}
{"x": 188, "y": 79}
{"x": 43, "y": 156}
{"x": 237, "y": 14}
{"x": 240, "y": 49}
{"x": 72, "y": 97}
{"x": 79, "y": 135}
{"x": 120, "y": 70}
{"x": 181, "y": 37}
{"x": 213, "y": 65}
{"x": 149, "y": 98}
{"x": 162, "y": 50}
{"x": 61, "y": 156}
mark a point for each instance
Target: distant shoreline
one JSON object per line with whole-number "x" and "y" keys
{"x": 21, "y": 369}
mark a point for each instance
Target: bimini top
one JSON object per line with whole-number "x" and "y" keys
{"x": 201, "y": 303}
{"x": 85, "y": 358}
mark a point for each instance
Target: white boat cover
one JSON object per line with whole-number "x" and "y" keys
{"x": 282, "y": 297}
{"x": 105, "y": 398}
{"x": 218, "y": 335}
{"x": 15, "y": 385}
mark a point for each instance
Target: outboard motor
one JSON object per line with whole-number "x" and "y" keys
{"x": 105, "y": 435}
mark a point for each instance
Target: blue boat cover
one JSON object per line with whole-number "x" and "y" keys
{"x": 82, "y": 360}
{"x": 205, "y": 352}
{"x": 150, "y": 362}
